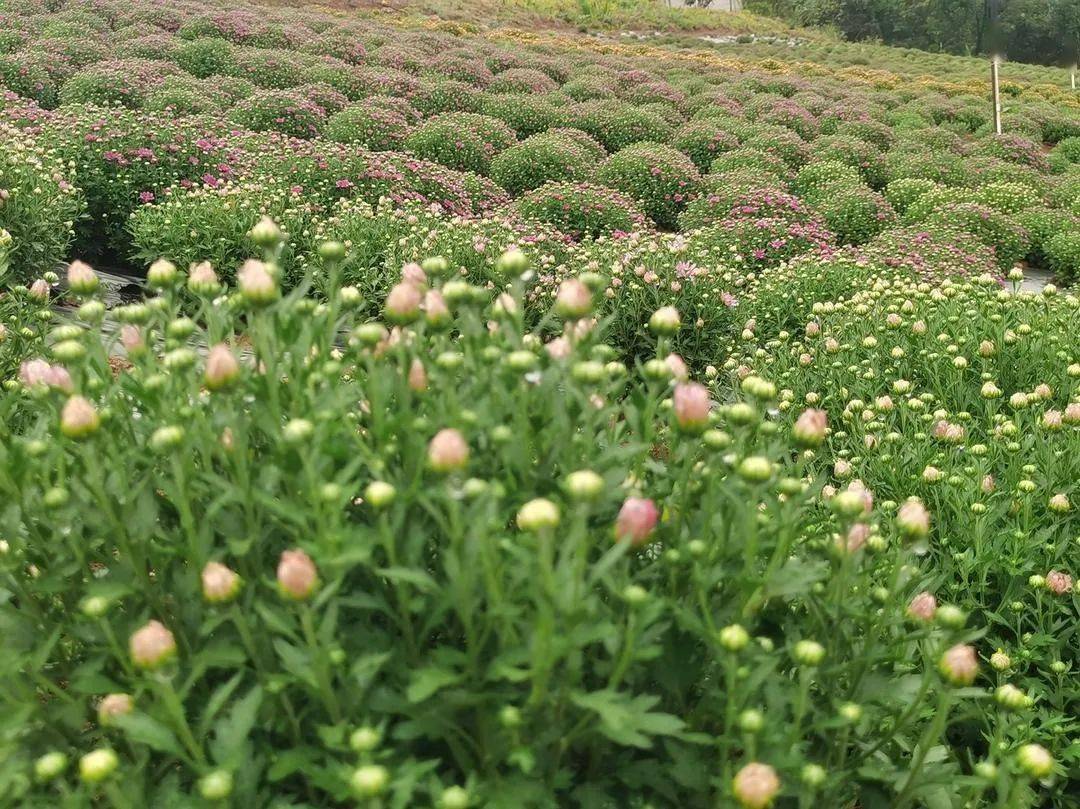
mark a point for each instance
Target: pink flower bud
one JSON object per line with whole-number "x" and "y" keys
{"x": 987, "y": 484}
{"x": 1053, "y": 420}
{"x": 813, "y": 329}
{"x": 202, "y": 279}
{"x": 58, "y": 378}
{"x": 152, "y": 646}
{"x": 256, "y": 283}
{"x": 809, "y": 430}
{"x": 922, "y": 607}
{"x": 691, "y": 406}
{"x": 39, "y": 290}
{"x": 219, "y": 583}
{"x": 1058, "y": 583}
{"x": 222, "y": 369}
{"x": 959, "y": 665}
{"x": 574, "y": 300}
{"x": 82, "y": 280}
{"x": 636, "y": 521}
{"x": 559, "y": 348}
{"x": 1060, "y": 504}
{"x": 131, "y": 339}
{"x": 296, "y": 575}
{"x": 112, "y": 706}
{"x": 913, "y": 519}
{"x": 418, "y": 380}
{"x": 79, "y": 419}
{"x": 1072, "y": 413}
{"x": 34, "y": 373}
{"x": 1043, "y": 391}
{"x": 413, "y": 273}
{"x": 755, "y": 785}
{"x": 436, "y": 312}
{"x": 677, "y": 367}
{"x": 403, "y": 303}
{"x": 856, "y": 537}
{"x": 448, "y": 451}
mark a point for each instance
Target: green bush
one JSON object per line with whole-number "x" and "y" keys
{"x": 370, "y": 123}
{"x": 1063, "y": 254}
{"x": 702, "y": 141}
{"x": 659, "y": 177}
{"x": 461, "y": 140}
{"x": 289, "y": 112}
{"x": 539, "y": 159}
{"x": 617, "y": 124}
{"x": 581, "y": 210}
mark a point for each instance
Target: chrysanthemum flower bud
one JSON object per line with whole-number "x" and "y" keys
{"x": 296, "y": 431}
{"x": 1035, "y": 760}
{"x": 266, "y": 233}
{"x": 950, "y": 616}
{"x": 220, "y": 584}
{"x": 82, "y": 280}
{"x": 734, "y": 638}
{"x": 1010, "y": 697}
{"x": 403, "y": 303}
{"x": 755, "y": 785}
{"x": 436, "y": 312}
{"x": 755, "y": 469}
{"x": 665, "y": 321}
{"x": 216, "y": 785}
{"x": 202, "y": 280}
{"x": 332, "y": 251}
{"x": 809, "y": 429}
{"x": 913, "y": 520}
{"x": 691, "y": 406}
{"x": 98, "y": 765}
{"x": 417, "y": 377}
{"x": 112, "y": 706}
{"x": 50, "y": 765}
{"x": 79, "y": 419}
{"x": 584, "y": 485}
{"x": 297, "y": 577}
{"x": 986, "y": 770}
{"x": 152, "y": 646}
{"x": 454, "y": 798}
{"x": 222, "y": 369}
{"x": 256, "y": 284}
{"x": 1000, "y": 661}
{"x": 808, "y": 653}
{"x": 573, "y": 300}
{"x": 922, "y": 607}
{"x": 365, "y": 739}
{"x": 751, "y": 721}
{"x": 95, "y": 606}
{"x": 813, "y": 775}
{"x": 1059, "y": 504}
{"x": 512, "y": 263}
{"x": 379, "y": 493}
{"x": 167, "y": 438}
{"x": 161, "y": 273}
{"x": 636, "y": 520}
{"x": 435, "y": 265}
{"x": 677, "y": 367}
{"x": 538, "y": 514}
{"x": 635, "y": 595}
{"x": 448, "y": 451}
{"x": 959, "y": 665}
{"x": 370, "y": 780}
{"x": 40, "y": 290}
{"x": 1058, "y": 583}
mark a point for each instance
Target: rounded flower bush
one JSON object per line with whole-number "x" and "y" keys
{"x": 288, "y": 112}
{"x": 660, "y": 178}
{"x": 370, "y": 123}
{"x": 582, "y": 210}
{"x": 462, "y": 141}
{"x": 539, "y": 159}
{"x": 702, "y": 141}
{"x": 617, "y": 124}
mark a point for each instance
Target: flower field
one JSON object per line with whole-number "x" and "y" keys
{"x": 531, "y": 418}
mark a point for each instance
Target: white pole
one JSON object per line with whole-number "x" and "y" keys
{"x": 994, "y": 82}
{"x": 1072, "y": 77}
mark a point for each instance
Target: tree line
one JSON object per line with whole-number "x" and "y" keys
{"x": 1040, "y": 31}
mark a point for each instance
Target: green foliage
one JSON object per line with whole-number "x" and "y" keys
{"x": 660, "y": 178}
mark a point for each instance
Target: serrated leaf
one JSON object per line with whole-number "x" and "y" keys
{"x": 144, "y": 729}
{"x": 428, "y": 681}
{"x": 627, "y": 720}
{"x": 231, "y": 732}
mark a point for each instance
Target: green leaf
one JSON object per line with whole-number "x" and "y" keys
{"x": 427, "y": 681}
{"x": 143, "y": 729}
{"x": 231, "y": 732}
{"x": 627, "y": 720}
